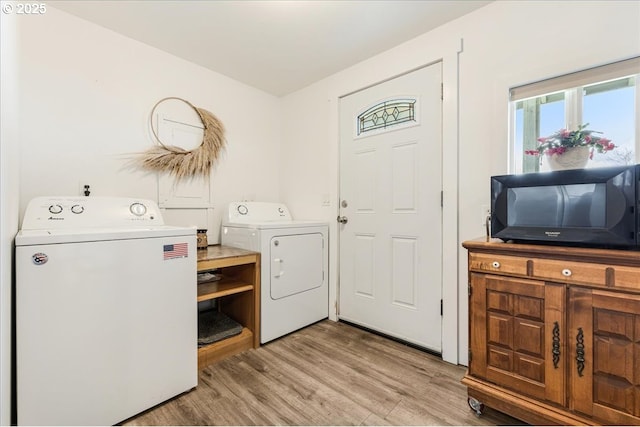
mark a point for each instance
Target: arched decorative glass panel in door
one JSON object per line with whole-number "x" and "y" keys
{"x": 387, "y": 114}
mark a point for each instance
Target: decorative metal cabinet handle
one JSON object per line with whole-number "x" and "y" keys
{"x": 495, "y": 264}
{"x": 566, "y": 272}
{"x": 580, "y": 351}
{"x": 555, "y": 345}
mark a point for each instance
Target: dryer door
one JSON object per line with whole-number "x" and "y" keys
{"x": 296, "y": 264}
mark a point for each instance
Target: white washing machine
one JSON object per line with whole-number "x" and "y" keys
{"x": 294, "y": 264}
{"x": 106, "y": 311}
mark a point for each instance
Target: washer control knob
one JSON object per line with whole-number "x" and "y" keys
{"x": 77, "y": 209}
{"x": 55, "y": 209}
{"x": 138, "y": 209}
{"x": 243, "y": 209}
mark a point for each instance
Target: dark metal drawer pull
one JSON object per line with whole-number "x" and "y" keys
{"x": 580, "y": 351}
{"x": 555, "y": 345}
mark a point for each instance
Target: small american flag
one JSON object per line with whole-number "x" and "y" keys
{"x": 177, "y": 250}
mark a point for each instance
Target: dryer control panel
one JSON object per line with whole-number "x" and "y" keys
{"x": 46, "y": 213}
{"x": 256, "y": 212}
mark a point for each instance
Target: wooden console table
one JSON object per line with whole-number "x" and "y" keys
{"x": 554, "y": 333}
{"x": 237, "y": 295}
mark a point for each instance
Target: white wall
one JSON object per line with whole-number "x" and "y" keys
{"x": 505, "y": 44}
{"x": 86, "y": 95}
{"x": 8, "y": 199}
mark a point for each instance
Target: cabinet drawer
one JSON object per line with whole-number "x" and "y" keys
{"x": 627, "y": 277}
{"x": 498, "y": 263}
{"x": 570, "y": 272}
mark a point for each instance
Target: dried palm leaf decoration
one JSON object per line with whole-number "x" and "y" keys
{"x": 181, "y": 163}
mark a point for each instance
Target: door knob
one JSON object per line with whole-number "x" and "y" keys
{"x": 343, "y": 219}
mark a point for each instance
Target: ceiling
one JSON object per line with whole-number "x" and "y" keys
{"x": 276, "y": 46}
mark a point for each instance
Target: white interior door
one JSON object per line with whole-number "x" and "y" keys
{"x": 390, "y": 190}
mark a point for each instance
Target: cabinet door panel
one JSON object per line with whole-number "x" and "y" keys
{"x": 500, "y": 358}
{"x": 500, "y": 329}
{"x": 529, "y": 337}
{"x": 532, "y": 308}
{"x": 499, "y": 302}
{"x": 609, "y": 387}
{"x": 512, "y": 335}
{"x": 529, "y": 367}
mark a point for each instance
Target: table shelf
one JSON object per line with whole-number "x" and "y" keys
{"x": 237, "y": 295}
{"x": 225, "y": 348}
{"x": 221, "y": 288}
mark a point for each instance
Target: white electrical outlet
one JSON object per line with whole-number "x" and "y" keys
{"x": 326, "y": 199}
{"x": 485, "y": 211}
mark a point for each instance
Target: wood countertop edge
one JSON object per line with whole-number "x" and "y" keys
{"x": 573, "y": 253}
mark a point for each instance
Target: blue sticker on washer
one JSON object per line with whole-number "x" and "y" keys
{"x": 39, "y": 258}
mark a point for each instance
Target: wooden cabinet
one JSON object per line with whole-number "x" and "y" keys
{"x": 237, "y": 294}
{"x": 554, "y": 333}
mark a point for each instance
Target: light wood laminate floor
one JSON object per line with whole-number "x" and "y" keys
{"x": 326, "y": 374}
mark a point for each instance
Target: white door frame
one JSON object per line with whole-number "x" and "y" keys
{"x": 454, "y": 286}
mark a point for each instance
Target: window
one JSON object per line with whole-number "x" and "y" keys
{"x": 607, "y": 97}
{"x": 386, "y": 114}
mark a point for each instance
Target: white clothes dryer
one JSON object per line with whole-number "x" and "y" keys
{"x": 294, "y": 264}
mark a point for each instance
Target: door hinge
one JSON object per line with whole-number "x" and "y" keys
{"x": 441, "y": 308}
{"x": 470, "y": 358}
{"x": 441, "y": 198}
{"x": 442, "y": 91}
{"x": 469, "y": 288}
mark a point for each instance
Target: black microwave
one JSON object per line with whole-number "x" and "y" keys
{"x": 582, "y": 207}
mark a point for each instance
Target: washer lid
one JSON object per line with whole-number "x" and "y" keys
{"x": 97, "y": 234}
